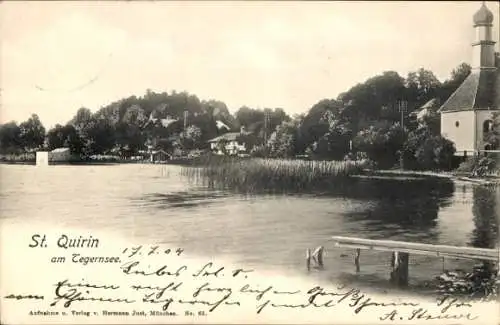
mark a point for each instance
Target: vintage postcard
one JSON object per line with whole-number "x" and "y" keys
{"x": 249, "y": 162}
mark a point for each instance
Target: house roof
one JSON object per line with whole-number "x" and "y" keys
{"x": 221, "y": 124}
{"x": 430, "y": 106}
{"x": 160, "y": 151}
{"x": 60, "y": 150}
{"x": 165, "y": 122}
{"x": 231, "y": 136}
{"x": 479, "y": 91}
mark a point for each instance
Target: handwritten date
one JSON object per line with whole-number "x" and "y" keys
{"x": 150, "y": 250}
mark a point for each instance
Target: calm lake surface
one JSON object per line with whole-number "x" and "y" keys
{"x": 155, "y": 203}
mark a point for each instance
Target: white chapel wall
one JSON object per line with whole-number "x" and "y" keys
{"x": 459, "y": 128}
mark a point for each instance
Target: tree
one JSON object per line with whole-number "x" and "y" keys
{"x": 283, "y": 141}
{"x": 65, "y": 136}
{"x": 366, "y": 101}
{"x": 313, "y": 126}
{"x": 134, "y": 115}
{"x": 382, "y": 144}
{"x": 435, "y": 153}
{"x": 422, "y": 85}
{"x": 428, "y": 84}
{"x": 82, "y": 119}
{"x": 460, "y": 73}
{"x": 247, "y": 116}
{"x": 334, "y": 144}
{"x": 32, "y": 133}
{"x": 10, "y": 137}
{"x": 190, "y": 138}
{"x": 426, "y": 151}
{"x": 432, "y": 121}
{"x": 56, "y": 137}
{"x": 99, "y": 137}
{"x": 128, "y": 138}
{"x": 73, "y": 140}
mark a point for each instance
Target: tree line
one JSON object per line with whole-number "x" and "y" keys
{"x": 363, "y": 122}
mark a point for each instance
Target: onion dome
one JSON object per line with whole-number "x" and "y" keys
{"x": 483, "y": 16}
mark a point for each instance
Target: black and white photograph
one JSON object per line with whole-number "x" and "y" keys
{"x": 249, "y": 162}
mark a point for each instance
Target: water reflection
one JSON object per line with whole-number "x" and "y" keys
{"x": 396, "y": 208}
{"x": 183, "y": 199}
{"x": 485, "y": 217}
{"x": 364, "y": 188}
{"x": 402, "y": 210}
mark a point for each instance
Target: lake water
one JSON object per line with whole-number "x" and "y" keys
{"x": 155, "y": 203}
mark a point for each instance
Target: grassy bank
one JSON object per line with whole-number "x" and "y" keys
{"x": 254, "y": 174}
{"x": 30, "y": 159}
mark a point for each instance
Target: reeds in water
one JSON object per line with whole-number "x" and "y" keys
{"x": 254, "y": 174}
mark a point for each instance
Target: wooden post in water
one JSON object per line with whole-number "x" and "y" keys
{"x": 308, "y": 259}
{"x": 356, "y": 259}
{"x": 399, "y": 272}
{"x": 318, "y": 256}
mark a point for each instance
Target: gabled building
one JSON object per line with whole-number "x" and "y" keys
{"x": 164, "y": 122}
{"x": 430, "y": 107}
{"x": 232, "y": 143}
{"x": 222, "y": 126}
{"x": 466, "y": 117}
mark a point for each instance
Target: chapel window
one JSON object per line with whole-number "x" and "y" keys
{"x": 487, "y": 125}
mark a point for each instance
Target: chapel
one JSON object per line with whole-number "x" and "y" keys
{"x": 466, "y": 117}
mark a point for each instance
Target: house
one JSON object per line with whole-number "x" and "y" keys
{"x": 42, "y": 158}
{"x": 432, "y": 106}
{"x": 58, "y": 155}
{"x": 232, "y": 143}
{"x": 164, "y": 122}
{"x": 159, "y": 156}
{"x": 466, "y": 117}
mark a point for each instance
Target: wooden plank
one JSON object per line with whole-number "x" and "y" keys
{"x": 418, "y": 252}
{"x": 417, "y": 248}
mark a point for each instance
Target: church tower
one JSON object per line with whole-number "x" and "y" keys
{"x": 466, "y": 117}
{"x": 483, "y": 48}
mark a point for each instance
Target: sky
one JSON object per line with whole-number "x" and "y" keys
{"x": 59, "y": 56}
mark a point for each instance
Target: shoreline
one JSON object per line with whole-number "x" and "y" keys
{"x": 453, "y": 176}
{"x": 366, "y": 174}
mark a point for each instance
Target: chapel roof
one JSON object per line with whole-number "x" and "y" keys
{"x": 479, "y": 91}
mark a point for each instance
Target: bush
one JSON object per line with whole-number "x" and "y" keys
{"x": 425, "y": 151}
{"x": 381, "y": 144}
{"x": 479, "y": 166}
{"x": 260, "y": 151}
{"x": 480, "y": 283}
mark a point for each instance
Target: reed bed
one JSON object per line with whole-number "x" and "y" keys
{"x": 255, "y": 174}
{"x": 22, "y": 158}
